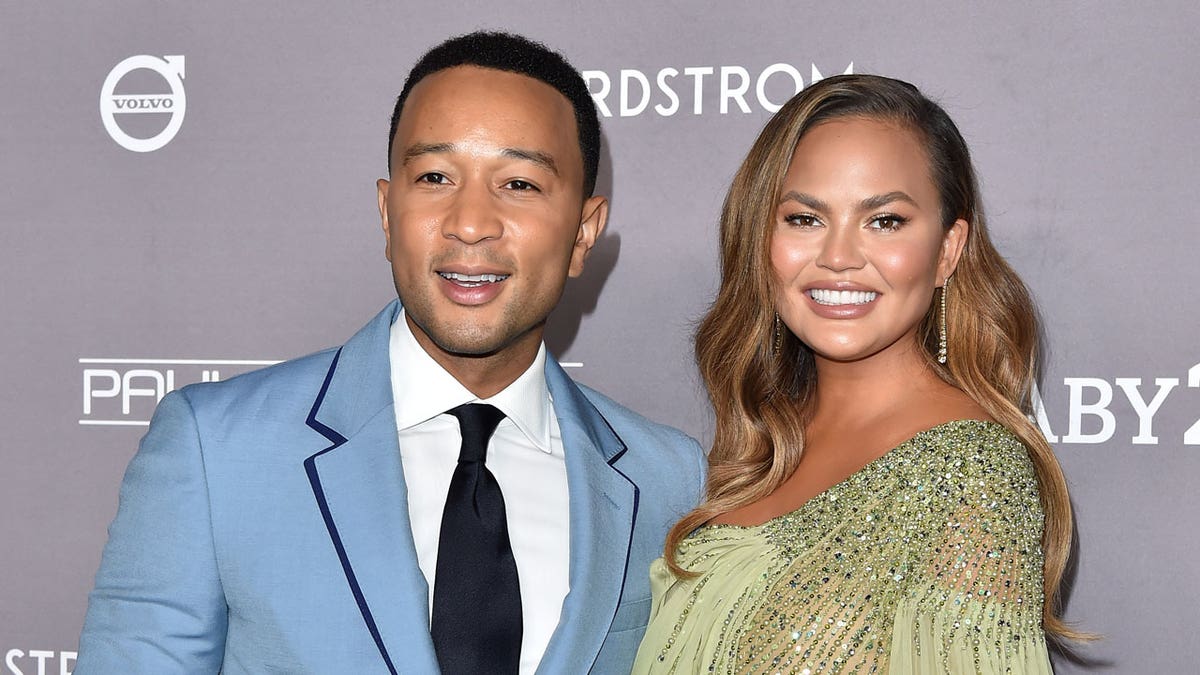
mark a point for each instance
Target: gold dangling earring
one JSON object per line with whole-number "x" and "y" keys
{"x": 943, "y": 352}
{"x": 778, "y": 339}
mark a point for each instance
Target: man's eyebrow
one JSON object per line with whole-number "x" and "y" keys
{"x": 878, "y": 201}
{"x": 805, "y": 199}
{"x": 542, "y": 159}
{"x": 537, "y": 157}
{"x": 417, "y": 149}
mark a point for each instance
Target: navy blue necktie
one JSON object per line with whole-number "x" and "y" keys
{"x": 476, "y": 624}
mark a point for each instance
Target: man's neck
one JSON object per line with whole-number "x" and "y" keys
{"x": 484, "y": 375}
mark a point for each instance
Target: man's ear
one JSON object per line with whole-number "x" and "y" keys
{"x": 593, "y": 218}
{"x": 381, "y": 186}
{"x": 953, "y": 243}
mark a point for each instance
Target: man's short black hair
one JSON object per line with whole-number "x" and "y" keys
{"x": 515, "y": 54}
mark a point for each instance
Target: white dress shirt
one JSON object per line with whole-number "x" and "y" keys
{"x": 526, "y": 457}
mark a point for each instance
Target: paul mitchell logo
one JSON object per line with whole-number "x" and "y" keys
{"x": 124, "y": 392}
{"x": 174, "y": 104}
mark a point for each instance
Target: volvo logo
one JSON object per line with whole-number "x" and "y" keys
{"x": 174, "y": 104}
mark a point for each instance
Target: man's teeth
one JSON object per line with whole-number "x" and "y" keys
{"x": 828, "y": 297}
{"x": 473, "y": 278}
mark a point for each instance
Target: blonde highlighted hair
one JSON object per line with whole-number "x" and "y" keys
{"x": 763, "y": 396}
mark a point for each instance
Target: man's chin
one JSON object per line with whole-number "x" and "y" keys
{"x": 470, "y": 350}
{"x": 476, "y": 342}
{"x": 479, "y": 342}
{"x": 472, "y": 338}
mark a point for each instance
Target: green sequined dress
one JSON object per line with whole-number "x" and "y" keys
{"x": 927, "y": 560}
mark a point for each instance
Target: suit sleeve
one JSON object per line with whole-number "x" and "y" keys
{"x": 158, "y": 606}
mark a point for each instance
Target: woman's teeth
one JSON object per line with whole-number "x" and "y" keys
{"x": 828, "y": 297}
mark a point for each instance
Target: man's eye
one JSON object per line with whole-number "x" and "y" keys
{"x": 432, "y": 177}
{"x": 519, "y": 184}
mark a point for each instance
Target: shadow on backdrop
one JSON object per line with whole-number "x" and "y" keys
{"x": 1070, "y": 652}
{"x": 581, "y": 295}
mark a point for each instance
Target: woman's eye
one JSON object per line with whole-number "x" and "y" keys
{"x": 802, "y": 220}
{"x": 888, "y": 223}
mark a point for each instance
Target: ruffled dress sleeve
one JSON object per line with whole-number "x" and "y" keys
{"x": 981, "y": 608}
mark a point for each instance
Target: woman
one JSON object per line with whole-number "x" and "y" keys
{"x": 878, "y": 500}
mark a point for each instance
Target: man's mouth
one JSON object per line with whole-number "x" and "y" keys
{"x": 472, "y": 280}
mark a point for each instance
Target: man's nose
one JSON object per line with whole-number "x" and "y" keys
{"x": 474, "y": 215}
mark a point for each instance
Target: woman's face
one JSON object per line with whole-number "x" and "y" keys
{"x": 858, "y": 246}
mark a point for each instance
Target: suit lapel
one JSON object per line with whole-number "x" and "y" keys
{"x": 603, "y": 503}
{"x": 358, "y": 483}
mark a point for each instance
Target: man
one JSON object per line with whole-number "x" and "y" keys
{"x": 335, "y": 514}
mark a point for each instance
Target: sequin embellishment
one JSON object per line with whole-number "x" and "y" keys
{"x": 926, "y": 560}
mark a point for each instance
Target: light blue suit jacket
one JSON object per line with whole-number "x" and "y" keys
{"x": 263, "y": 527}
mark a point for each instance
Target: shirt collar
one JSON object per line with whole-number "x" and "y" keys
{"x": 526, "y": 401}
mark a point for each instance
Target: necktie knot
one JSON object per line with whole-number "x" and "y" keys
{"x": 477, "y": 421}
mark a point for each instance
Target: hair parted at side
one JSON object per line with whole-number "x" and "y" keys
{"x": 514, "y": 54}
{"x": 763, "y": 398}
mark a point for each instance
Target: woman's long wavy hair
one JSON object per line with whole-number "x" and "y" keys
{"x": 763, "y": 397}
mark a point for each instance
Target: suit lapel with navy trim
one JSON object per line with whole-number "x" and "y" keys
{"x": 603, "y": 504}
{"x": 358, "y": 484}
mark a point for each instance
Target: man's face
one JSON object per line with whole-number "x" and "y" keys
{"x": 484, "y": 214}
